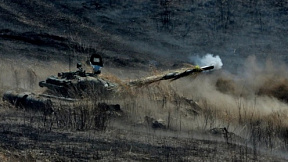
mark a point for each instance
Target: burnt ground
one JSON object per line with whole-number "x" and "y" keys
{"x": 25, "y": 136}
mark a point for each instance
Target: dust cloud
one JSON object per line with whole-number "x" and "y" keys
{"x": 257, "y": 95}
{"x": 259, "y": 85}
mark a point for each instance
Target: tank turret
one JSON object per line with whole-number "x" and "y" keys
{"x": 79, "y": 84}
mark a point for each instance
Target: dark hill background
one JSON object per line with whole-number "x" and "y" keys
{"x": 136, "y": 33}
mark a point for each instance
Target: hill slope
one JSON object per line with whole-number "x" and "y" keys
{"x": 137, "y": 31}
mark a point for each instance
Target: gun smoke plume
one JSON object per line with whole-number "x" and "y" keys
{"x": 208, "y": 59}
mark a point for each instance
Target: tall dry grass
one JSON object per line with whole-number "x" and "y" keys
{"x": 236, "y": 102}
{"x": 219, "y": 99}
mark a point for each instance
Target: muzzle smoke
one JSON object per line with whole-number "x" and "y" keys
{"x": 208, "y": 59}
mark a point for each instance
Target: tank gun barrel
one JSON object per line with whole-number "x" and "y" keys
{"x": 169, "y": 76}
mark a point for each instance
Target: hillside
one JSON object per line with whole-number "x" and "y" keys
{"x": 235, "y": 113}
{"x": 137, "y": 31}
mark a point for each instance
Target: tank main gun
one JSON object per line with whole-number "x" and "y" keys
{"x": 177, "y": 74}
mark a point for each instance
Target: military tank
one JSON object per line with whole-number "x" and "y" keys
{"x": 80, "y": 84}
{"x": 69, "y": 88}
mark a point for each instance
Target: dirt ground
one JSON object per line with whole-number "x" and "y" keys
{"x": 25, "y": 137}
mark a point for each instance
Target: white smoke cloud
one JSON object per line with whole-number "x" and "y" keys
{"x": 208, "y": 59}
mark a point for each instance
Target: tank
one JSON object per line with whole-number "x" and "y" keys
{"x": 80, "y": 89}
{"x": 67, "y": 89}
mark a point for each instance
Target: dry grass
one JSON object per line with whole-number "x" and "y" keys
{"x": 158, "y": 101}
{"x": 258, "y": 122}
